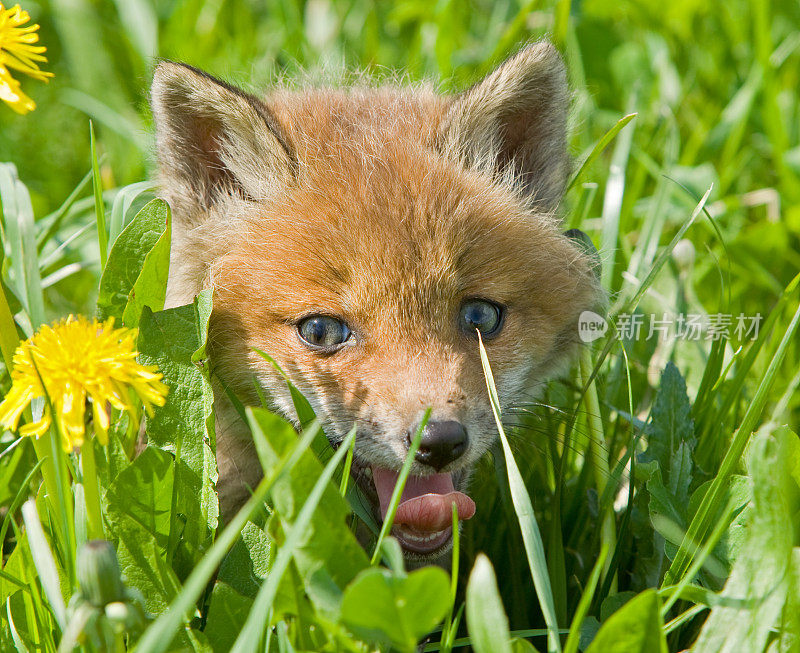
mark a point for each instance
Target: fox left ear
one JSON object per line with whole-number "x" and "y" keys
{"x": 214, "y": 140}
{"x": 515, "y": 120}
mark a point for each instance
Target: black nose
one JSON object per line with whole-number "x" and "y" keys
{"x": 441, "y": 444}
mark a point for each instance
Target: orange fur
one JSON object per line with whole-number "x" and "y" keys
{"x": 379, "y": 207}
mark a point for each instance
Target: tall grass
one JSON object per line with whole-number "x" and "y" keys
{"x": 661, "y": 483}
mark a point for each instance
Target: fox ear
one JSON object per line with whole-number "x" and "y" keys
{"x": 214, "y": 140}
{"x": 514, "y": 121}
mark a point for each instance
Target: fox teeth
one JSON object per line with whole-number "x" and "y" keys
{"x": 368, "y": 472}
{"x": 420, "y": 538}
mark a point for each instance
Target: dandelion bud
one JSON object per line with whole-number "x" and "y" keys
{"x": 99, "y": 575}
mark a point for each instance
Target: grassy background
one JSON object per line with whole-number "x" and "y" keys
{"x": 714, "y": 86}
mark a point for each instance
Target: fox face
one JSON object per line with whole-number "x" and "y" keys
{"x": 366, "y": 238}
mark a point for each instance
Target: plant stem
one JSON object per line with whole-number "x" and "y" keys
{"x": 94, "y": 514}
{"x": 608, "y": 533}
{"x": 57, "y": 485}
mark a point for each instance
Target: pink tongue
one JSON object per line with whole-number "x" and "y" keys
{"x": 426, "y": 501}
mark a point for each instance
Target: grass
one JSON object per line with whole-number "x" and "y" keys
{"x": 648, "y": 500}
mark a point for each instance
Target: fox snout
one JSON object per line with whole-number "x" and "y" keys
{"x": 441, "y": 443}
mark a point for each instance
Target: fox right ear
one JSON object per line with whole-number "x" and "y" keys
{"x": 214, "y": 140}
{"x": 515, "y": 121}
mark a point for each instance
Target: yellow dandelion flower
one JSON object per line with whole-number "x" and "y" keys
{"x": 78, "y": 360}
{"x": 18, "y": 52}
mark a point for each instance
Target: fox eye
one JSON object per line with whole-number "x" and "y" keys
{"x": 323, "y": 331}
{"x": 483, "y": 315}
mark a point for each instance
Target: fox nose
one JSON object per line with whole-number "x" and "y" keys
{"x": 441, "y": 443}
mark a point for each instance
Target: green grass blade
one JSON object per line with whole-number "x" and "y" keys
{"x": 612, "y": 204}
{"x": 248, "y": 638}
{"x": 305, "y": 413}
{"x": 15, "y": 636}
{"x": 486, "y": 619}
{"x": 62, "y": 211}
{"x": 99, "y": 207}
{"x": 44, "y": 561}
{"x": 511, "y": 35}
{"x": 573, "y": 639}
{"x": 714, "y": 496}
{"x": 631, "y": 304}
{"x": 448, "y": 630}
{"x": 159, "y": 635}
{"x": 348, "y": 465}
{"x": 743, "y": 367}
{"x": 561, "y": 23}
{"x": 397, "y": 493}
{"x": 698, "y": 562}
{"x": 527, "y": 519}
{"x": 597, "y": 451}
{"x": 602, "y": 144}
{"x": 19, "y": 499}
{"x": 20, "y": 231}
{"x": 9, "y": 338}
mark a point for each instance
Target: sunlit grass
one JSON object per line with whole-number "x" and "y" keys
{"x": 695, "y": 203}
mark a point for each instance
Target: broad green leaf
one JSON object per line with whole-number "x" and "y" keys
{"x": 14, "y": 568}
{"x": 790, "y": 627}
{"x": 293, "y": 546}
{"x": 762, "y": 570}
{"x": 9, "y": 336}
{"x": 670, "y": 426}
{"x": 668, "y": 464}
{"x": 398, "y": 610}
{"x": 614, "y": 602}
{"x": 174, "y": 340}
{"x": 680, "y": 473}
{"x": 227, "y": 612}
{"x": 662, "y": 504}
{"x": 127, "y": 259}
{"x": 160, "y": 634}
{"x": 486, "y": 619}
{"x": 142, "y": 492}
{"x": 519, "y": 645}
{"x": 137, "y": 509}
{"x": 635, "y": 628}
{"x": 738, "y": 495}
{"x": 327, "y": 541}
{"x": 247, "y": 563}
{"x": 150, "y": 288}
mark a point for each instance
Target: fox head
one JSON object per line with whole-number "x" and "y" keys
{"x": 363, "y": 238}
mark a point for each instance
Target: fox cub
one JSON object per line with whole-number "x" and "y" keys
{"x": 363, "y": 237}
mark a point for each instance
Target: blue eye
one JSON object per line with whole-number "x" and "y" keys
{"x": 323, "y": 331}
{"x": 485, "y": 316}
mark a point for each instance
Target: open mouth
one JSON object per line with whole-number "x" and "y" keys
{"x": 423, "y": 521}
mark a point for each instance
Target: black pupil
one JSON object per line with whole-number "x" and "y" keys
{"x": 480, "y": 315}
{"x": 323, "y": 331}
